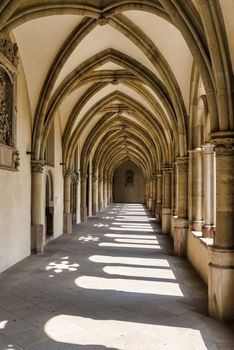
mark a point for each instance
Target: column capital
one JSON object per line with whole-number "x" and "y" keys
{"x": 83, "y": 177}
{"x": 159, "y": 174}
{"x": 100, "y": 179}
{"x": 208, "y": 148}
{"x": 196, "y": 150}
{"x": 75, "y": 177}
{"x": 167, "y": 169}
{"x": 94, "y": 178}
{"x": 37, "y": 166}
{"x": 67, "y": 172}
{"x": 154, "y": 177}
{"x": 182, "y": 162}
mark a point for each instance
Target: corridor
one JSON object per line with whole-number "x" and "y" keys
{"x": 112, "y": 284}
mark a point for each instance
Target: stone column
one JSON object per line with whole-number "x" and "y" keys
{"x": 209, "y": 190}
{"x": 38, "y": 211}
{"x": 94, "y": 195}
{"x": 104, "y": 192}
{"x": 181, "y": 224}
{"x": 150, "y": 201}
{"x": 111, "y": 192}
{"x": 100, "y": 184}
{"x": 221, "y": 267}
{"x": 147, "y": 193}
{"x": 67, "y": 215}
{"x": 166, "y": 206}
{"x": 108, "y": 191}
{"x": 197, "y": 189}
{"x": 173, "y": 198}
{"x": 154, "y": 192}
{"x": 83, "y": 204}
{"x": 158, "y": 209}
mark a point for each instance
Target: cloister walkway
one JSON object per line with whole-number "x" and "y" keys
{"x": 113, "y": 284}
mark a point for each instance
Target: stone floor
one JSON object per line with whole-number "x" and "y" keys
{"x": 113, "y": 284}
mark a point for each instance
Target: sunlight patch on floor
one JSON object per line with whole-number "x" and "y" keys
{"x": 135, "y": 240}
{"x": 129, "y": 285}
{"x": 139, "y": 272}
{"x": 121, "y": 335}
{"x": 129, "y": 245}
{"x": 131, "y": 229}
{"x": 122, "y": 235}
{"x": 105, "y": 259}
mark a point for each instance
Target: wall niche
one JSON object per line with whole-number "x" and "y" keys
{"x": 9, "y": 155}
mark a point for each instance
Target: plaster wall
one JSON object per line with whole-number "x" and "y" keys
{"x": 128, "y": 194}
{"x": 15, "y": 188}
{"x": 58, "y": 182}
{"x": 199, "y": 256}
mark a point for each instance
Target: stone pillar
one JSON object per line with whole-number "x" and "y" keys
{"x": 221, "y": 271}
{"x": 181, "y": 224}
{"x": 108, "y": 192}
{"x": 209, "y": 190}
{"x": 111, "y": 192}
{"x": 104, "y": 192}
{"x": 38, "y": 211}
{"x": 150, "y": 200}
{"x": 67, "y": 215}
{"x": 94, "y": 195}
{"x": 100, "y": 184}
{"x": 154, "y": 192}
{"x": 158, "y": 209}
{"x": 83, "y": 204}
{"x": 166, "y": 206}
{"x": 197, "y": 189}
{"x": 173, "y": 198}
{"x": 147, "y": 192}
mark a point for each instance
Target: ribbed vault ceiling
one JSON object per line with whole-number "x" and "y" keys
{"x": 118, "y": 73}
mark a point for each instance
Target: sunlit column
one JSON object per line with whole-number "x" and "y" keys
{"x": 221, "y": 266}
{"x": 173, "y": 198}
{"x": 83, "y": 206}
{"x": 100, "y": 182}
{"x": 67, "y": 217}
{"x": 158, "y": 209}
{"x": 147, "y": 192}
{"x": 154, "y": 192}
{"x": 94, "y": 196}
{"x": 111, "y": 191}
{"x": 104, "y": 192}
{"x": 38, "y": 212}
{"x": 150, "y": 200}
{"x": 181, "y": 224}
{"x": 209, "y": 190}
{"x": 197, "y": 189}
{"x": 166, "y": 205}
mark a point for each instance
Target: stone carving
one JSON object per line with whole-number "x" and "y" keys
{"x": 37, "y": 166}
{"x": 16, "y": 159}
{"x": 6, "y": 96}
{"x": 8, "y": 49}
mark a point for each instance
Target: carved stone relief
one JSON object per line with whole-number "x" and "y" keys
{"x": 9, "y": 155}
{"x": 6, "y": 104}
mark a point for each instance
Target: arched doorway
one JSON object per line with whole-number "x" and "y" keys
{"x": 49, "y": 210}
{"x": 128, "y": 184}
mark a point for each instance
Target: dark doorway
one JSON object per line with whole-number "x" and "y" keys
{"x": 49, "y": 207}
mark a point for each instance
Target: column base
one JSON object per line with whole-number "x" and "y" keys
{"x": 173, "y": 223}
{"x": 158, "y": 213}
{"x": 197, "y": 225}
{"x": 166, "y": 220}
{"x": 37, "y": 246}
{"x": 100, "y": 206}
{"x": 83, "y": 214}
{"x": 208, "y": 231}
{"x": 180, "y": 237}
{"x": 67, "y": 223}
{"x": 220, "y": 284}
